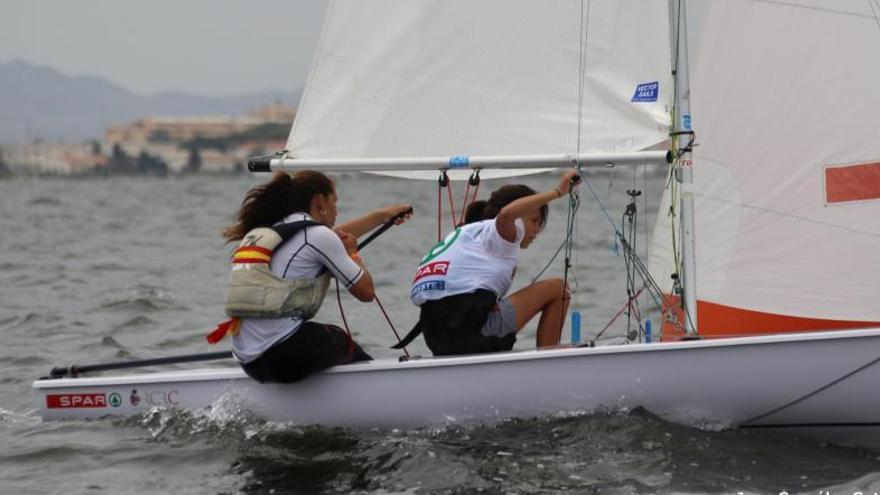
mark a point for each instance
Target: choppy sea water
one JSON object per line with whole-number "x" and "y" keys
{"x": 125, "y": 268}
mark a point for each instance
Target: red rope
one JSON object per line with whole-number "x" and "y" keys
{"x": 476, "y": 190}
{"x": 439, "y": 212}
{"x": 344, "y": 322}
{"x": 624, "y": 308}
{"x": 348, "y": 331}
{"x": 376, "y": 297}
{"x": 451, "y": 204}
{"x": 465, "y": 202}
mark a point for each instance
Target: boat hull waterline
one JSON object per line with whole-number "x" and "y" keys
{"x": 821, "y": 380}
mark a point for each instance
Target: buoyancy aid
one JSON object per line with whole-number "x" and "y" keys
{"x": 450, "y": 321}
{"x": 253, "y": 291}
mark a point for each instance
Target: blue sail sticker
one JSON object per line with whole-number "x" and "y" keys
{"x": 459, "y": 161}
{"x": 646, "y": 92}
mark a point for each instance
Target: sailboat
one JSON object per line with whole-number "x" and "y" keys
{"x": 764, "y": 251}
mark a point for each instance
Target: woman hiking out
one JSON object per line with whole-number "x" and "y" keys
{"x": 287, "y": 223}
{"x": 460, "y": 285}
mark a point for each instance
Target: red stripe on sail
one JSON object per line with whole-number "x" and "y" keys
{"x": 719, "y": 321}
{"x": 852, "y": 183}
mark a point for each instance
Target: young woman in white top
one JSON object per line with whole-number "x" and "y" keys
{"x": 462, "y": 282}
{"x": 289, "y": 349}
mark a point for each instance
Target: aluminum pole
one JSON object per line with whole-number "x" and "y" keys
{"x": 682, "y": 138}
{"x": 270, "y": 164}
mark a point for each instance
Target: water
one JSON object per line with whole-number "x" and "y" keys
{"x": 102, "y": 270}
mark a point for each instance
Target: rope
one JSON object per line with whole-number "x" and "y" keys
{"x": 451, "y": 202}
{"x": 388, "y": 319}
{"x": 464, "y": 203}
{"x": 439, "y": 208}
{"x": 344, "y": 321}
{"x": 574, "y": 204}
{"x": 475, "y": 181}
{"x": 617, "y": 315}
{"x": 601, "y": 206}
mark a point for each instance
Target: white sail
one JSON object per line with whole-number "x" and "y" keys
{"x": 445, "y": 78}
{"x": 785, "y": 103}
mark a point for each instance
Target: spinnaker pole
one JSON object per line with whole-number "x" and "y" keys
{"x": 682, "y": 141}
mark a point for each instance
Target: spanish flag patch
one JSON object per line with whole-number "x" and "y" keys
{"x": 251, "y": 254}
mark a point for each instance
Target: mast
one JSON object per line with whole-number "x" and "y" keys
{"x": 682, "y": 139}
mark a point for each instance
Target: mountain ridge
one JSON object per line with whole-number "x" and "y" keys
{"x": 39, "y": 102}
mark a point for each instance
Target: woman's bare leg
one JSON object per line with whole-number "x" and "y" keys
{"x": 548, "y": 297}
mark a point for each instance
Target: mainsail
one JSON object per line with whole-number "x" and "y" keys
{"x": 785, "y": 103}
{"x": 423, "y": 78}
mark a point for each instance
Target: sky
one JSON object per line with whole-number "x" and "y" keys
{"x": 207, "y": 47}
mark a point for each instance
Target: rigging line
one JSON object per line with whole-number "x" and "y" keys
{"x": 451, "y": 204}
{"x": 599, "y": 202}
{"x": 568, "y": 233}
{"x": 615, "y": 317}
{"x": 799, "y": 218}
{"x": 654, "y": 289}
{"x": 826, "y": 10}
{"x": 439, "y": 208}
{"x": 813, "y": 393}
{"x": 388, "y": 319}
{"x": 582, "y": 62}
{"x": 645, "y": 206}
{"x": 344, "y": 321}
{"x": 464, "y": 204}
{"x": 871, "y": 3}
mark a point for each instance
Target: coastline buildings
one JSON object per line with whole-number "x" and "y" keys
{"x": 53, "y": 158}
{"x": 211, "y": 144}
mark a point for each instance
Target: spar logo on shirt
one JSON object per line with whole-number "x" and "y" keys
{"x": 439, "y": 268}
{"x": 435, "y": 269}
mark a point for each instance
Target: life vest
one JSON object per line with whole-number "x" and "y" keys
{"x": 253, "y": 291}
{"x": 449, "y": 322}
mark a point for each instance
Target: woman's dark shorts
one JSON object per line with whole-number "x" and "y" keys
{"x": 312, "y": 348}
{"x": 497, "y": 334}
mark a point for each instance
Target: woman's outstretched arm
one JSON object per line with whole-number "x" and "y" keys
{"x": 363, "y": 224}
{"x": 505, "y": 219}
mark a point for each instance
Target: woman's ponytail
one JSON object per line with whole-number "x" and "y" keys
{"x": 266, "y": 205}
{"x": 474, "y": 212}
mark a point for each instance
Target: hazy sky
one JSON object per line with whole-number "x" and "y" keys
{"x": 212, "y": 47}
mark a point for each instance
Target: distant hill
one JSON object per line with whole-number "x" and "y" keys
{"x": 40, "y": 102}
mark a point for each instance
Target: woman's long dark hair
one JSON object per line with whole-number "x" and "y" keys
{"x": 503, "y": 196}
{"x": 265, "y": 205}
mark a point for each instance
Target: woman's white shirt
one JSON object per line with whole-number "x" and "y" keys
{"x": 471, "y": 257}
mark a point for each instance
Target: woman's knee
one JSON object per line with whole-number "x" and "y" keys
{"x": 556, "y": 288}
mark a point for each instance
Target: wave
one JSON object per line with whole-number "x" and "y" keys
{"x": 608, "y": 451}
{"x": 43, "y": 200}
{"x": 142, "y": 299}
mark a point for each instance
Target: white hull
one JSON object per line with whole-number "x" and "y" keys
{"x": 824, "y": 382}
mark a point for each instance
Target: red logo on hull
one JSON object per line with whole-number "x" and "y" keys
{"x": 75, "y": 401}
{"x": 435, "y": 268}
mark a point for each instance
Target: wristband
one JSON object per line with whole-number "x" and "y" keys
{"x": 558, "y": 192}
